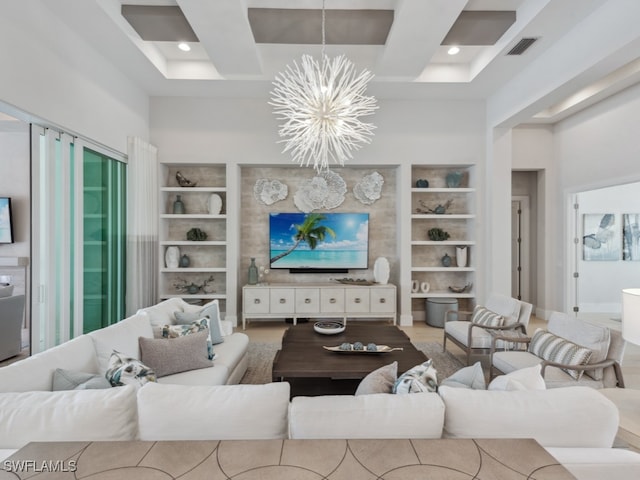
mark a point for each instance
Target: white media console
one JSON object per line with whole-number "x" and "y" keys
{"x": 321, "y": 300}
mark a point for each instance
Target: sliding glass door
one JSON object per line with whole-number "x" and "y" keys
{"x": 78, "y": 237}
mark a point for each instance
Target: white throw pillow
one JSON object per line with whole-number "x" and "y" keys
{"x": 528, "y": 378}
{"x": 467, "y": 377}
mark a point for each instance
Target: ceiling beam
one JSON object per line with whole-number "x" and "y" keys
{"x": 223, "y": 29}
{"x": 414, "y": 38}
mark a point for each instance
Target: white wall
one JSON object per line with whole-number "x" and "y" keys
{"x": 14, "y": 183}
{"x": 49, "y": 73}
{"x": 244, "y": 132}
{"x": 600, "y": 282}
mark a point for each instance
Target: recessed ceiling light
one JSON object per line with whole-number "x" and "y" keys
{"x": 184, "y": 47}
{"x": 453, "y": 51}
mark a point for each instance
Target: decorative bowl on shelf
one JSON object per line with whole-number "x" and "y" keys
{"x": 329, "y": 328}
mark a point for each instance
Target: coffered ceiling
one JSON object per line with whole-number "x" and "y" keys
{"x": 238, "y": 46}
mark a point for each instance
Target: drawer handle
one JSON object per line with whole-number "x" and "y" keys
{"x": 357, "y": 300}
{"x": 282, "y": 300}
{"x": 307, "y": 300}
{"x": 333, "y": 300}
{"x": 383, "y": 300}
{"x": 256, "y": 301}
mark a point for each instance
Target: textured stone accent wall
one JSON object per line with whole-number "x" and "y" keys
{"x": 254, "y": 233}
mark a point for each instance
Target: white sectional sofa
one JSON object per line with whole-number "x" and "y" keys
{"x": 577, "y": 425}
{"x": 90, "y": 353}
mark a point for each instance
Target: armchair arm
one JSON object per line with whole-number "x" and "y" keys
{"x": 588, "y": 367}
{"x": 506, "y": 338}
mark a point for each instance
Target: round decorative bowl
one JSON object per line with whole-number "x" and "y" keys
{"x": 328, "y": 328}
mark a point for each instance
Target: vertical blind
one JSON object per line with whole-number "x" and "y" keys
{"x": 78, "y": 237}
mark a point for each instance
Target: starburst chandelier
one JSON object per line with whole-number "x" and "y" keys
{"x": 320, "y": 104}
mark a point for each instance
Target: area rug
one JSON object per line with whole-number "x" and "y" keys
{"x": 261, "y": 356}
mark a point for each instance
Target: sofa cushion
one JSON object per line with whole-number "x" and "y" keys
{"x": 230, "y": 352}
{"x": 36, "y": 372}
{"x": 124, "y": 370}
{"x": 74, "y": 380}
{"x": 380, "y": 380}
{"x": 560, "y": 417}
{"x": 122, "y": 337}
{"x": 467, "y": 377}
{"x": 524, "y": 379}
{"x": 78, "y": 415}
{"x": 460, "y": 331}
{"x": 367, "y": 416}
{"x": 484, "y": 316}
{"x": 596, "y": 338}
{"x": 174, "y": 355}
{"x": 556, "y": 349}
{"x": 230, "y": 412}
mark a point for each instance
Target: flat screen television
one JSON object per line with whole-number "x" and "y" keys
{"x": 6, "y": 222}
{"x": 319, "y": 242}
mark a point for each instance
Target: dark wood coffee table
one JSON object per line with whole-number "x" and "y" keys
{"x": 312, "y": 370}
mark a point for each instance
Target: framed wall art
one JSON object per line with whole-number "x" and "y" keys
{"x": 631, "y": 236}
{"x": 600, "y": 237}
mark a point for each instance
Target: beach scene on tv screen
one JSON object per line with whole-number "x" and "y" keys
{"x": 318, "y": 240}
{"x": 5, "y": 221}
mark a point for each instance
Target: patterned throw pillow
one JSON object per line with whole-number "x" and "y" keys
{"x": 175, "y": 331}
{"x": 556, "y": 349}
{"x": 484, "y": 316}
{"x": 215, "y": 328}
{"x": 421, "y": 378}
{"x": 125, "y": 370}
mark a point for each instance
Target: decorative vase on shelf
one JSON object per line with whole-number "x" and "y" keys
{"x": 381, "y": 270}
{"x": 185, "y": 261}
{"x": 253, "y": 272}
{"x": 178, "y": 206}
{"x": 446, "y": 260}
{"x": 215, "y": 204}
{"x": 461, "y": 256}
{"x": 422, "y": 183}
{"x": 172, "y": 257}
{"x": 453, "y": 179}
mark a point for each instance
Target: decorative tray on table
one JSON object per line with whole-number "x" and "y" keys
{"x": 371, "y": 348}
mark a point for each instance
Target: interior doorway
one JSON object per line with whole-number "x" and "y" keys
{"x": 520, "y": 248}
{"x": 524, "y": 218}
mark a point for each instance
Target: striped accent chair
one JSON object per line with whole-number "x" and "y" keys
{"x": 571, "y": 351}
{"x": 473, "y": 332}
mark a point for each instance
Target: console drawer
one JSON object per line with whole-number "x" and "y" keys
{"x": 332, "y": 300}
{"x": 356, "y": 300}
{"x": 282, "y": 300}
{"x": 256, "y": 300}
{"x": 383, "y": 300}
{"x": 307, "y": 300}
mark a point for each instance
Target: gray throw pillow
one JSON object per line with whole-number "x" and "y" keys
{"x": 467, "y": 377}
{"x": 379, "y": 381}
{"x": 167, "y": 356}
{"x": 73, "y": 380}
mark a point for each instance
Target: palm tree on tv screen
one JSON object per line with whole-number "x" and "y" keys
{"x": 310, "y": 231}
